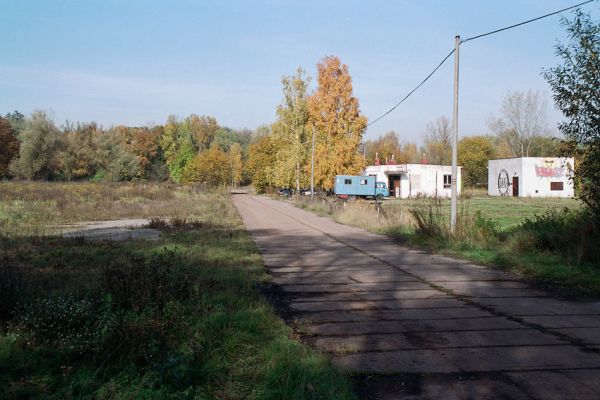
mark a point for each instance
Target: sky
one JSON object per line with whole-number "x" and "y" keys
{"x": 136, "y": 62}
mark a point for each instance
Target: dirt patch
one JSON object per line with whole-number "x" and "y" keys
{"x": 116, "y": 230}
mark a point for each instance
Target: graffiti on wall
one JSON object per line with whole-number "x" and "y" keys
{"x": 503, "y": 183}
{"x": 549, "y": 169}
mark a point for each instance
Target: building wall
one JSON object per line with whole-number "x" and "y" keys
{"x": 540, "y": 173}
{"x": 417, "y": 179}
{"x": 537, "y": 176}
{"x": 501, "y": 174}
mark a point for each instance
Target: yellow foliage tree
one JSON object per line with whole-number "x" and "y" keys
{"x": 339, "y": 125}
{"x": 261, "y": 161}
{"x": 211, "y": 167}
{"x": 236, "y": 163}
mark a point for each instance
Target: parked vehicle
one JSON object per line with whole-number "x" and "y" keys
{"x": 349, "y": 187}
{"x": 285, "y": 192}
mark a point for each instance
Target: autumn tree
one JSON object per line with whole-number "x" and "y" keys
{"x": 575, "y": 85}
{"x": 202, "y": 130}
{"x": 473, "y": 155}
{"x": 290, "y": 132}
{"x": 9, "y": 146}
{"x": 78, "y": 157}
{"x": 437, "y": 144}
{"x": 335, "y": 114}
{"x": 261, "y": 161}
{"x": 144, "y": 144}
{"x": 236, "y": 163}
{"x": 40, "y": 142}
{"x": 210, "y": 167}
{"x": 384, "y": 147}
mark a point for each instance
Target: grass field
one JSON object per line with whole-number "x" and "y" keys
{"x": 182, "y": 317}
{"x": 506, "y": 212}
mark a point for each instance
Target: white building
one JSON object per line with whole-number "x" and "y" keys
{"x": 531, "y": 177}
{"x": 412, "y": 180}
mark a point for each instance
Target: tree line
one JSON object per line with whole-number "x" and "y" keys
{"x": 192, "y": 150}
{"x": 328, "y": 119}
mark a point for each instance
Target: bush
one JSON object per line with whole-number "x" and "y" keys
{"x": 571, "y": 233}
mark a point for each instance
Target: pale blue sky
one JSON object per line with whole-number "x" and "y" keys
{"x": 136, "y": 62}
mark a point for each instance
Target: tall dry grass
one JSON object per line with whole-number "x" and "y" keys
{"x": 40, "y": 208}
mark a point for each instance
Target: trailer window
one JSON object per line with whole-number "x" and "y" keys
{"x": 363, "y": 181}
{"x": 348, "y": 181}
{"x": 556, "y": 186}
{"x": 447, "y": 181}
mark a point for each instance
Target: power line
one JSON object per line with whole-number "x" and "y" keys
{"x": 525, "y": 22}
{"x": 412, "y": 91}
{"x": 463, "y": 41}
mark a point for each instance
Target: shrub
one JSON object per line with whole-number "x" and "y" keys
{"x": 570, "y": 233}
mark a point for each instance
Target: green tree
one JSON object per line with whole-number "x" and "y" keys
{"x": 473, "y": 155}
{"x": 181, "y": 159}
{"x": 114, "y": 162}
{"x": 339, "y": 124}
{"x": 17, "y": 122}
{"x": 290, "y": 132}
{"x": 575, "y": 85}
{"x": 40, "y": 143}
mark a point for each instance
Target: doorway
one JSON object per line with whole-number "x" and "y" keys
{"x": 515, "y": 185}
{"x": 394, "y": 181}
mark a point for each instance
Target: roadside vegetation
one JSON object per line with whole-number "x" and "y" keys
{"x": 182, "y": 317}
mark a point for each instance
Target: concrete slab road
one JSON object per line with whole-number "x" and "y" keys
{"x": 416, "y": 325}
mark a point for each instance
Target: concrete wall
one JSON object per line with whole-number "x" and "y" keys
{"x": 501, "y": 174}
{"x": 540, "y": 172}
{"x": 417, "y": 179}
{"x": 536, "y": 175}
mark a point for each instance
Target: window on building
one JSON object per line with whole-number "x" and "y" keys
{"x": 348, "y": 181}
{"x": 363, "y": 181}
{"x": 556, "y": 186}
{"x": 447, "y": 181}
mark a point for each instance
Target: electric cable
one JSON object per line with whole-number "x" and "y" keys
{"x": 464, "y": 41}
{"x": 524, "y": 22}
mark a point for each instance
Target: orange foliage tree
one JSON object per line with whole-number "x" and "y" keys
{"x": 9, "y": 146}
{"x": 339, "y": 125}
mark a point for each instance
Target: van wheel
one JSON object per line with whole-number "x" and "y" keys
{"x": 379, "y": 197}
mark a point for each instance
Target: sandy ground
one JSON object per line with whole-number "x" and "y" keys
{"x": 415, "y": 325}
{"x": 118, "y": 230}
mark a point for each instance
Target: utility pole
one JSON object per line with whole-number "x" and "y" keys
{"x": 454, "y": 138}
{"x": 312, "y": 166}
